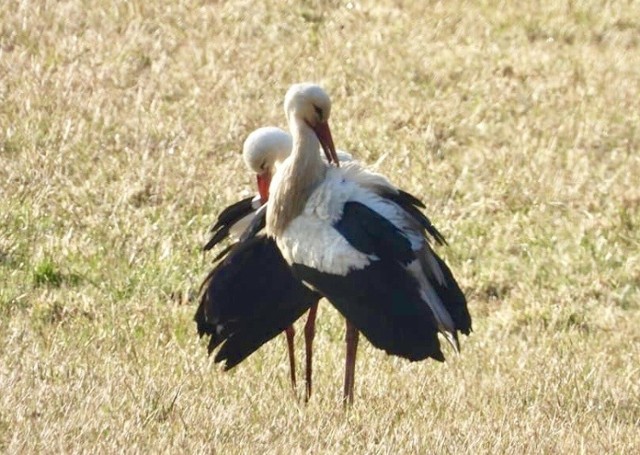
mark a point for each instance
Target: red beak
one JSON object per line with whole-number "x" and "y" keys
{"x": 264, "y": 180}
{"x": 324, "y": 136}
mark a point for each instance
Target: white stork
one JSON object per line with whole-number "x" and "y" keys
{"x": 353, "y": 237}
{"x": 250, "y": 296}
{"x": 263, "y": 150}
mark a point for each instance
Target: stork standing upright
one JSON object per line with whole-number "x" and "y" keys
{"x": 353, "y": 237}
{"x": 251, "y": 295}
{"x": 263, "y": 150}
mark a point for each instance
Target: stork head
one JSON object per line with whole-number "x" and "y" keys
{"x": 309, "y": 104}
{"x": 262, "y": 149}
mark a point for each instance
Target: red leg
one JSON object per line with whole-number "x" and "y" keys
{"x": 290, "y": 332}
{"x": 350, "y": 363}
{"x": 309, "y": 334}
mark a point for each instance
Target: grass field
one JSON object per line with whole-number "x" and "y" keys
{"x": 121, "y": 125}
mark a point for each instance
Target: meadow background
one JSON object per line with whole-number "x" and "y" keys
{"x": 121, "y": 125}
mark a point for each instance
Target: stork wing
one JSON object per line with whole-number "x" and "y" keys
{"x": 258, "y": 223}
{"x": 448, "y": 289}
{"x": 452, "y": 297}
{"x": 412, "y": 205}
{"x": 249, "y": 298}
{"x": 227, "y": 219}
{"x": 382, "y": 299}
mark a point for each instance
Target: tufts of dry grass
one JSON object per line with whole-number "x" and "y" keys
{"x": 120, "y": 130}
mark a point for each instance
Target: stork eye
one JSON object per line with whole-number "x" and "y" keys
{"x": 318, "y": 111}
{"x": 263, "y": 165}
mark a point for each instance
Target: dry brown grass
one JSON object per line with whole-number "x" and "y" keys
{"x": 120, "y": 130}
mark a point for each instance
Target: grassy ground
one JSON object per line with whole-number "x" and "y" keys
{"x": 120, "y": 130}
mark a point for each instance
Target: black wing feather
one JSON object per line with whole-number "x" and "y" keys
{"x": 227, "y": 218}
{"x": 450, "y": 293}
{"x": 371, "y": 233}
{"x": 258, "y": 223}
{"x": 412, "y": 206}
{"x": 411, "y": 199}
{"x": 224, "y": 252}
{"x": 382, "y": 300}
{"x": 249, "y": 298}
{"x": 453, "y": 298}
{"x": 391, "y": 317}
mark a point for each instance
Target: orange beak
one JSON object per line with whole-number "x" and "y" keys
{"x": 264, "y": 180}
{"x": 324, "y": 136}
